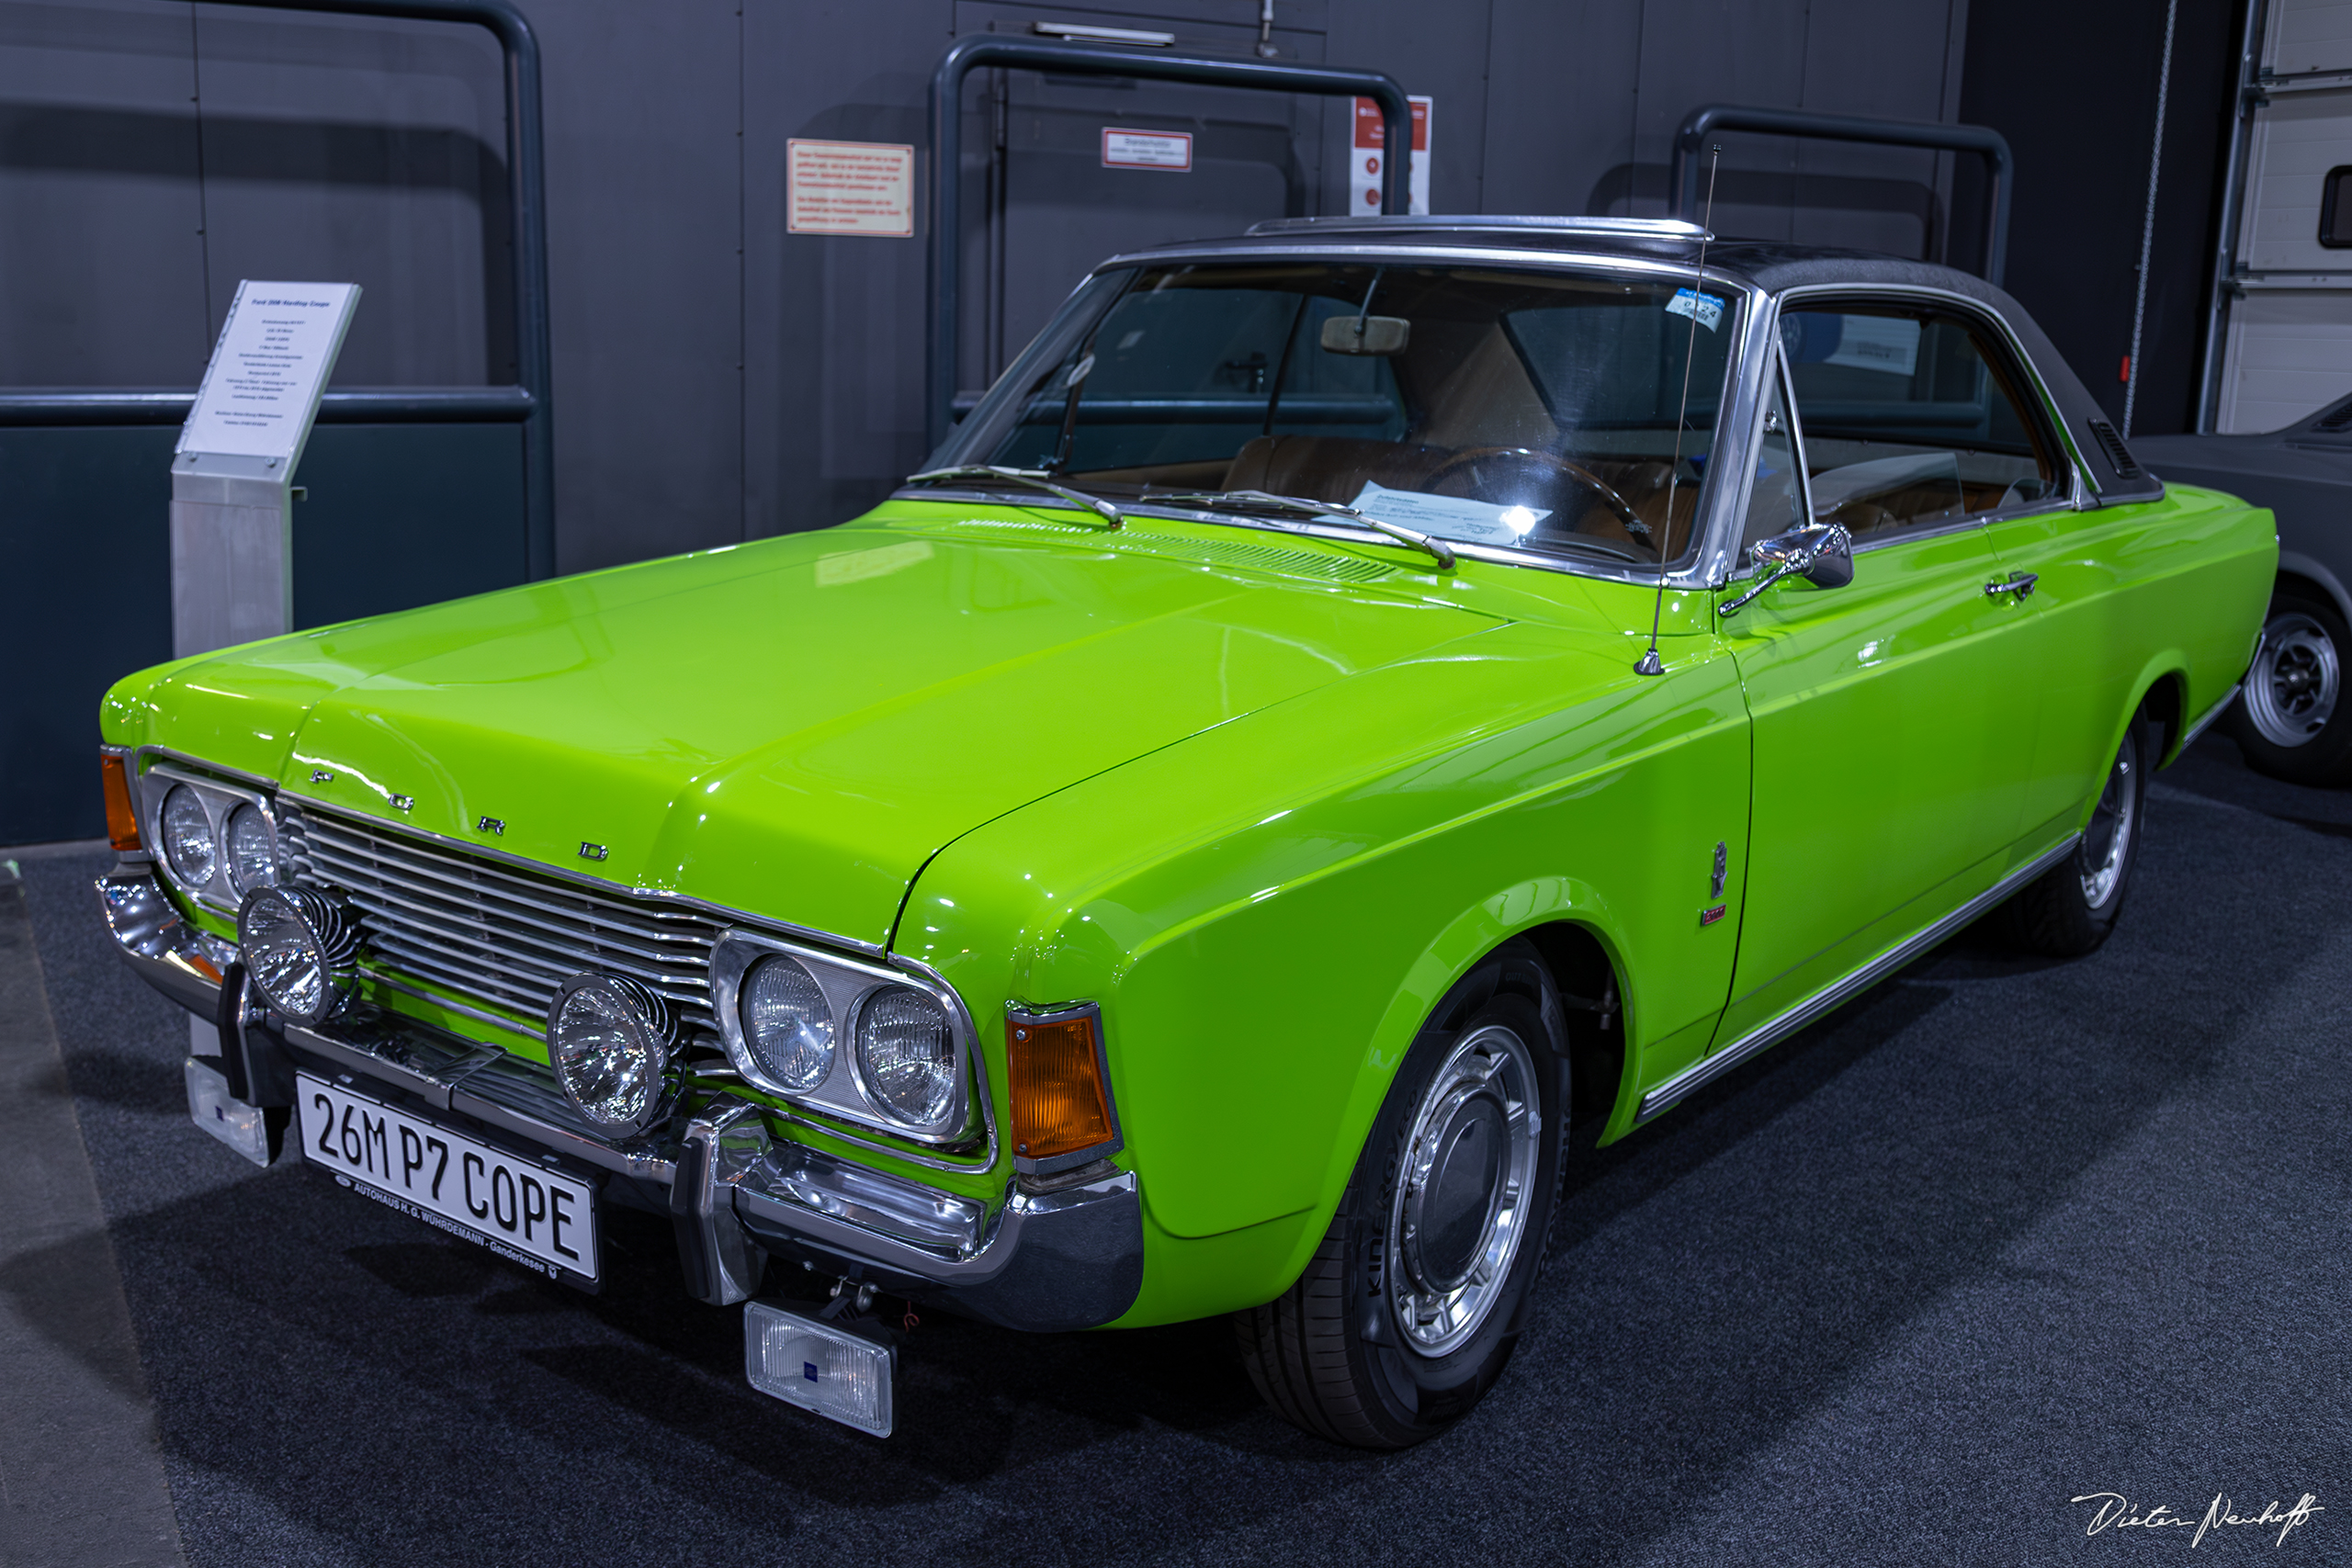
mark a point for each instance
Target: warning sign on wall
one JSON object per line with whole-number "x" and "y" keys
{"x": 849, "y": 188}
{"x": 1364, "y": 159}
{"x": 1147, "y": 149}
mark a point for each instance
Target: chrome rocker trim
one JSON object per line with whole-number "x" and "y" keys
{"x": 1048, "y": 1258}
{"x": 1708, "y": 1069}
{"x": 2212, "y": 714}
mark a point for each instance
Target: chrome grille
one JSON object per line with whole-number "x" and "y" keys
{"x": 491, "y": 931}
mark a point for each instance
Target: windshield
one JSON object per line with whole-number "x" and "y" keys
{"x": 1533, "y": 410}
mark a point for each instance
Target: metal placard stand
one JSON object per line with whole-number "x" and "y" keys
{"x": 233, "y": 473}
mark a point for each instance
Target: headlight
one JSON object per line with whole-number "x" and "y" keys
{"x": 788, "y": 1023}
{"x": 906, "y": 1054}
{"x": 188, "y": 844}
{"x": 297, "y": 946}
{"x": 610, "y": 1041}
{"x": 252, "y": 854}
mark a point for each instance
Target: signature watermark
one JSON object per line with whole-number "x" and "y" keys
{"x": 2112, "y": 1510}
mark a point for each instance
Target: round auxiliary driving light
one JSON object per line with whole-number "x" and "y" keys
{"x": 610, "y": 1041}
{"x": 252, "y": 856}
{"x": 906, "y": 1054}
{"x": 188, "y": 842}
{"x": 297, "y": 946}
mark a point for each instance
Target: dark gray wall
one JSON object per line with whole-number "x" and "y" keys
{"x": 716, "y": 378}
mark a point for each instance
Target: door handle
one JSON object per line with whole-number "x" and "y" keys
{"x": 2019, "y": 583}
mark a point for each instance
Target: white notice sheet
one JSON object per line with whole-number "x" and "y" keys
{"x": 276, "y": 352}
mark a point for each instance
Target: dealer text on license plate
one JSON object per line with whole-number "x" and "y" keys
{"x": 519, "y": 1210}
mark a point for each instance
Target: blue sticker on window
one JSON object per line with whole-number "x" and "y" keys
{"x": 1704, "y": 309}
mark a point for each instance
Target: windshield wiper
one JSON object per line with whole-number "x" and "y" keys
{"x": 1263, "y": 500}
{"x": 1033, "y": 478}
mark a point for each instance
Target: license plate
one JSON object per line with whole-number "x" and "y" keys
{"x": 521, "y": 1211}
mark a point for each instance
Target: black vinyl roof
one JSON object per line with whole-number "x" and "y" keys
{"x": 1769, "y": 265}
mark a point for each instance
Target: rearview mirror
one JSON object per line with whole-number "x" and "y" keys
{"x": 1383, "y": 335}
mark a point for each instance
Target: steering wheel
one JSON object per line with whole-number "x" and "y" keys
{"x": 1633, "y": 520}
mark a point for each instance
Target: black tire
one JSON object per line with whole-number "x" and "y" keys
{"x": 1346, "y": 1353}
{"x": 2070, "y": 909}
{"x": 2291, "y": 721}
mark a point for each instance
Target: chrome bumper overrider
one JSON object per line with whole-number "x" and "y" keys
{"x": 1064, "y": 1259}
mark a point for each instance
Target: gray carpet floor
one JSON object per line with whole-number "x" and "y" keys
{"x": 2001, "y": 1234}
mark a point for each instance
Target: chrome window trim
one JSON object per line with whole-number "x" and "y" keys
{"x": 1712, "y": 565}
{"x": 1392, "y": 252}
{"x": 1573, "y": 566}
{"x": 842, "y": 1095}
{"x": 2080, "y": 491}
{"x": 156, "y": 781}
{"x": 1775, "y": 373}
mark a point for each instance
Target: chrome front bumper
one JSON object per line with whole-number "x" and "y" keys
{"x": 1064, "y": 1257}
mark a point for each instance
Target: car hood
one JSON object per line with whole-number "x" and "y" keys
{"x": 792, "y": 727}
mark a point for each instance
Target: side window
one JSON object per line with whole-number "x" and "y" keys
{"x": 1909, "y": 419}
{"x": 1776, "y": 502}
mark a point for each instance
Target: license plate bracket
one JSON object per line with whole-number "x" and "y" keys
{"x": 519, "y": 1208}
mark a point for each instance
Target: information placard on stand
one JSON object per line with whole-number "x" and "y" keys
{"x": 233, "y": 473}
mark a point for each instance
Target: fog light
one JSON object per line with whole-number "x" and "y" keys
{"x": 298, "y": 946}
{"x": 821, "y": 1367}
{"x": 610, "y": 1041}
{"x": 211, "y": 1107}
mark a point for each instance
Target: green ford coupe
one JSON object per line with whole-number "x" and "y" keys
{"x": 1358, "y": 712}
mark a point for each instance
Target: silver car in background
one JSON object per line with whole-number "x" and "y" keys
{"x": 2294, "y": 721}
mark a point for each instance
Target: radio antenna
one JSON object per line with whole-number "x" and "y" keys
{"x": 1648, "y": 663}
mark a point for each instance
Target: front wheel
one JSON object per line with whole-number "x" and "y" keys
{"x": 2069, "y": 909}
{"x": 2289, "y": 719}
{"x": 1409, "y": 1308}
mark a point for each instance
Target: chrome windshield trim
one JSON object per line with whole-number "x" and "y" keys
{"x": 1716, "y": 528}
{"x": 1772, "y": 1032}
{"x": 1575, "y": 566}
{"x": 1472, "y": 223}
{"x": 1498, "y": 255}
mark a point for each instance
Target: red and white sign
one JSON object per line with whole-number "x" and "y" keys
{"x": 1365, "y": 161}
{"x": 1170, "y": 150}
{"x": 849, "y": 188}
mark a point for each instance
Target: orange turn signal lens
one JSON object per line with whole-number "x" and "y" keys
{"x": 1061, "y": 1104}
{"x": 122, "y": 823}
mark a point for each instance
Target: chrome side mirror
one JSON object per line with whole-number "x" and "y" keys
{"x": 1821, "y": 553}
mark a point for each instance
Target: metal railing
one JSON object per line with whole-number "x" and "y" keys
{"x": 526, "y": 403}
{"x": 968, "y": 54}
{"x": 1983, "y": 140}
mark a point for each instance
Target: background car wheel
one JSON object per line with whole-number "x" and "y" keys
{"x": 2070, "y": 909}
{"x": 1408, "y": 1310}
{"x": 2291, "y": 721}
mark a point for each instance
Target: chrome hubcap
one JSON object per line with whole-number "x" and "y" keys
{"x": 2108, "y": 838}
{"x": 1455, "y": 1225}
{"x": 2292, "y": 691}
